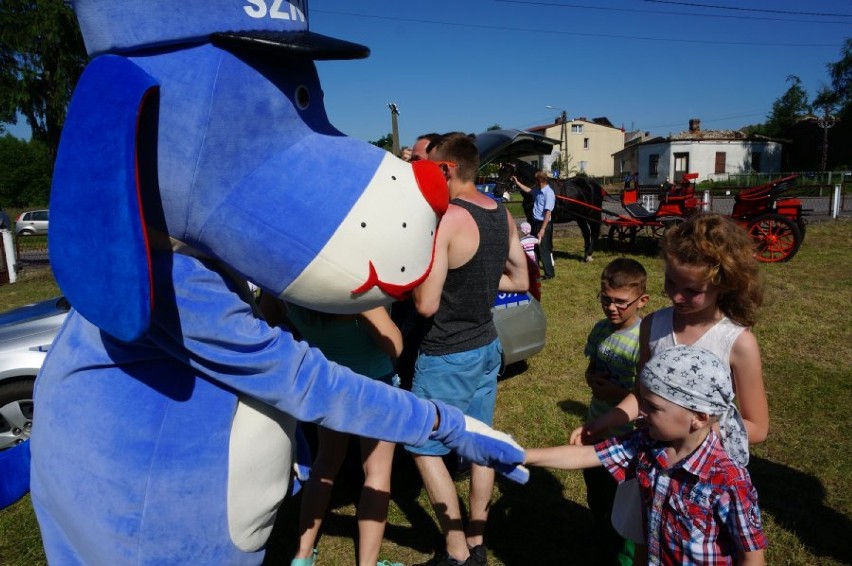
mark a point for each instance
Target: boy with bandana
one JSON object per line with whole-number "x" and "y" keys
{"x": 698, "y": 503}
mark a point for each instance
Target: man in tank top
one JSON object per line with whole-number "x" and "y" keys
{"x": 477, "y": 252}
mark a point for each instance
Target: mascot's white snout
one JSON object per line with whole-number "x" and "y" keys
{"x": 401, "y": 205}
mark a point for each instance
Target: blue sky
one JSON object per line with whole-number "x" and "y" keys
{"x": 650, "y": 65}
{"x": 644, "y": 64}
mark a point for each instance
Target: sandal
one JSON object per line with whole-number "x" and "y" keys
{"x": 310, "y": 561}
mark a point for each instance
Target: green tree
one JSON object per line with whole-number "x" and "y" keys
{"x": 385, "y": 142}
{"x": 841, "y": 75}
{"x": 792, "y": 105}
{"x": 25, "y": 175}
{"x": 494, "y": 127}
{"x": 41, "y": 57}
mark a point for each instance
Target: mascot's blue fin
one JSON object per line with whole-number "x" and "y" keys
{"x": 105, "y": 168}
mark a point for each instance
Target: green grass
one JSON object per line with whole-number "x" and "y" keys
{"x": 801, "y": 471}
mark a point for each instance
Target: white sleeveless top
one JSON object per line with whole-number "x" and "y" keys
{"x": 719, "y": 338}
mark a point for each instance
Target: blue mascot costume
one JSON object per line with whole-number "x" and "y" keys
{"x": 197, "y": 156}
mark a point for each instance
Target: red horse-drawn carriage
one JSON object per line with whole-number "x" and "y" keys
{"x": 774, "y": 222}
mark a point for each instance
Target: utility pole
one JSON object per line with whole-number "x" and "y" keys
{"x": 563, "y": 139}
{"x": 826, "y": 122}
{"x": 394, "y": 128}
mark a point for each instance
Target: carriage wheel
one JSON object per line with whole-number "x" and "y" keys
{"x": 622, "y": 238}
{"x": 800, "y": 222}
{"x": 776, "y": 238}
{"x": 665, "y": 225}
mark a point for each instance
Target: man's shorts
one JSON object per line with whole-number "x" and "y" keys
{"x": 467, "y": 380}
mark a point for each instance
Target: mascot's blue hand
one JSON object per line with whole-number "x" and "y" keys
{"x": 302, "y": 463}
{"x": 479, "y": 443}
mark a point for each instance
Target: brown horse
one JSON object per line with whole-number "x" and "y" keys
{"x": 578, "y": 199}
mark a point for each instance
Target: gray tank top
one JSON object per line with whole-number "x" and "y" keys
{"x": 464, "y": 321}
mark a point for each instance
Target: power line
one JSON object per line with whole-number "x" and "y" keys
{"x": 539, "y": 31}
{"x": 657, "y": 12}
{"x": 717, "y": 7}
{"x": 704, "y": 120}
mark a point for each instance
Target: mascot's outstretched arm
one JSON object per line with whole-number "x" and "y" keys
{"x": 165, "y": 407}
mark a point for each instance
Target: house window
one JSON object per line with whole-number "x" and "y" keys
{"x": 653, "y": 164}
{"x": 756, "y": 160}
{"x": 583, "y": 166}
{"x": 576, "y": 128}
{"x": 720, "y": 162}
{"x": 681, "y": 165}
{"x": 585, "y": 143}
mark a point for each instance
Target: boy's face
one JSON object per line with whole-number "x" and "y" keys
{"x": 620, "y": 305}
{"x": 666, "y": 421}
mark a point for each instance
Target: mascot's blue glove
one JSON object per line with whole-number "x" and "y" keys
{"x": 479, "y": 443}
{"x": 302, "y": 462}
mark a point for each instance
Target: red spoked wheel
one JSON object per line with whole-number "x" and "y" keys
{"x": 776, "y": 238}
{"x": 622, "y": 238}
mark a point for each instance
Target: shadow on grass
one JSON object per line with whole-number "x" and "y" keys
{"x": 577, "y": 257}
{"x": 574, "y": 408}
{"x": 513, "y": 370}
{"x": 796, "y": 502}
{"x": 535, "y": 524}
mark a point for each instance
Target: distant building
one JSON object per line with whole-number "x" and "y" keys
{"x": 713, "y": 154}
{"x": 590, "y": 145}
{"x": 626, "y": 160}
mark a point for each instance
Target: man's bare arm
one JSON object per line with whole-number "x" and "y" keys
{"x": 427, "y": 295}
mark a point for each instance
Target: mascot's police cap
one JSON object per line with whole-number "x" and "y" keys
{"x": 123, "y": 26}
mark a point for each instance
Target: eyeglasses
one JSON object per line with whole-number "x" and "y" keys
{"x": 619, "y": 304}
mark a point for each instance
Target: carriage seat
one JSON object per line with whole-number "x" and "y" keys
{"x": 637, "y": 210}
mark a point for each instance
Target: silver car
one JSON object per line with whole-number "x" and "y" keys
{"x": 25, "y": 335}
{"x": 32, "y": 222}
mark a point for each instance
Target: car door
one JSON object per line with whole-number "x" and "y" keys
{"x": 40, "y": 219}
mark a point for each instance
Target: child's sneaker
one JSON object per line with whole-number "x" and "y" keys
{"x": 388, "y": 563}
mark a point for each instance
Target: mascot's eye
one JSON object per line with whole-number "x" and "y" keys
{"x": 303, "y": 97}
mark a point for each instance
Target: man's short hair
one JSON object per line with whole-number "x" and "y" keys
{"x": 541, "y": 176}
{"x": 459, "y": 148}
{"x": 623, "y": 273}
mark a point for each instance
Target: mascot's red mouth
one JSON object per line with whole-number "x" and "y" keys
{"x": 398, "y": 292}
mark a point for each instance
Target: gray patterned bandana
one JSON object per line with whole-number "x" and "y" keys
{"x": 696, "y": 379}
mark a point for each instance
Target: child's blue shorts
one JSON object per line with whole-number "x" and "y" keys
{"x": 467, "y": 380}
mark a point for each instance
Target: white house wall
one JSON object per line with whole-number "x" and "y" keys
{"x": 702, "y": 158}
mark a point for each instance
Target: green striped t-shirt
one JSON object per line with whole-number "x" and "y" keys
{"x": 616, "y": 353}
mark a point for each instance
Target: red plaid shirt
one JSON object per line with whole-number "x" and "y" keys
{"x": 702, "y": 510}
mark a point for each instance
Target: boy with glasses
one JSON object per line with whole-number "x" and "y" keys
{"x": 613, "y": 351}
